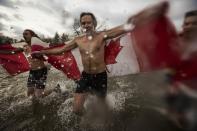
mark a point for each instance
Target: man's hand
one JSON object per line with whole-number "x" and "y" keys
{"x": 149, "y": 14}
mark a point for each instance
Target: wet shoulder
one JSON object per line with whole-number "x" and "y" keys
{"x": 101, "y": 34}
{"x": 79, "y": 39}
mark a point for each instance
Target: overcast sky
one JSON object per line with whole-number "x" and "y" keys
{"x": 46, "y": 17}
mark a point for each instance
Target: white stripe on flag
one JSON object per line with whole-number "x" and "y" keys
{"x": 77, "y": 56}
{"x": 36, "y": 41}
{"x": 126, "y": 60}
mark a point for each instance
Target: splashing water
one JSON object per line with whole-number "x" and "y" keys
{"x": 90, "y": 37}
{"x": 54, "y": 112}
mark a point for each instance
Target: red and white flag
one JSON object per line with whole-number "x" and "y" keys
{"x": 120, "y": 57}
{"x": 66, "y": 62}
{"x": 13, "y": 63}
{"x": 156, "y": 44}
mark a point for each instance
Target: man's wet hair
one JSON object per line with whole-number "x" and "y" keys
{"x": 33, "y": 34}
{"x": 91, "y": 14}
{"x": 191, "y": 13}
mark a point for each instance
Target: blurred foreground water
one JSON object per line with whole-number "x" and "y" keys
{"x": 135, "y": 103}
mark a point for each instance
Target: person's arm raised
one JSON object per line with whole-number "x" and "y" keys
{"x": 138, "y": 19}
{"x": 117, "y": 31}
{"x": 56, "y": 51}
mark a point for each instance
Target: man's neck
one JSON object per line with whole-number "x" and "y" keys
{"x": 28, "y": 43}
{"x": 90, "y": 33}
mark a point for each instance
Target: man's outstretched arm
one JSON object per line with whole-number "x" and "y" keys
{"x": 138, "y": 19}
{"x": 56, "y": 51}
{"x": 117, "y": 31}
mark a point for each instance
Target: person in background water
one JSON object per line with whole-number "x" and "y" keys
{"x": 182, "y": 94}
{"x": 38, "y": 70}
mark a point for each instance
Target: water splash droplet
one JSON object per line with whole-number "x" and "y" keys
{"x": 90, "y": 37}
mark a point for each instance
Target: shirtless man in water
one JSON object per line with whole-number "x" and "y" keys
{"x": 91, "y": 46}
{"x": 38, "y": 71}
